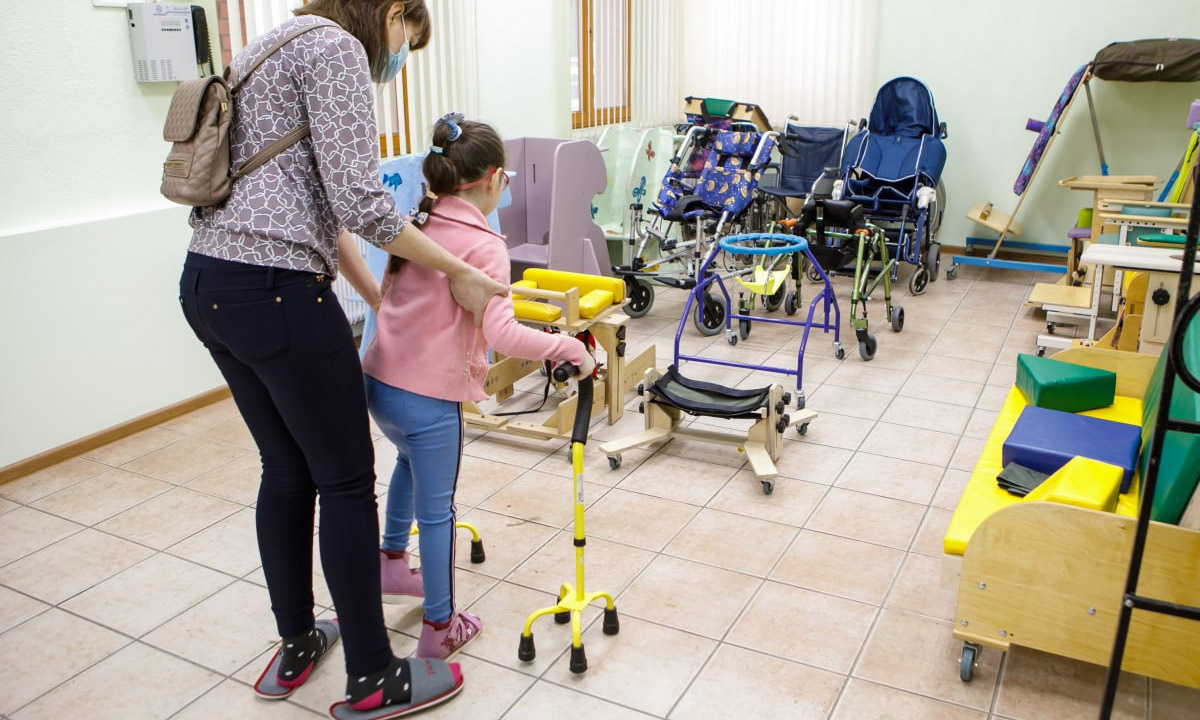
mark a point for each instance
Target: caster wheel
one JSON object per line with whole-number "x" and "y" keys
{"x": 839, "y": 352}
{"x": 966, "y": 664}
{"x": 612, "y": 624}
{"x": 731, "y": 338}
{"x": 866, "y": 348}
{"x": 768, "y": 487}
{"x": 641, "y": 297}
{"x": 952, "y": 273}
{"x": 710, "y": 316}
{"x": 790, "y": 303}
{"x": 526, "y": 651}
{"x": 897, "y": 318}
{"x": 744, "y": 328}
{"x": 1041, "y": 352}
{"x": 803, "y": 429}
{"x": 477, "y": 553}
{"x": 578, "y": 660}
{"x": 813, "y": 274}
{"x": 614, "y": 462}
{"x": 919, "y": 280}
{"x": 800, "y": 401}
{"x": 1050, "y": 327}
{"x": 933, "y": 260}
{"x": 562, "y": 618}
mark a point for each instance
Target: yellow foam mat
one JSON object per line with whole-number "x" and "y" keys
{"x": 1084, "y": 483}
{"x": 561, "y": 281}
{"x": 536, "y": 311}
{"x": 983, "y": 496}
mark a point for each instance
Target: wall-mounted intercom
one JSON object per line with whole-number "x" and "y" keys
{"x": 168, "y": 41}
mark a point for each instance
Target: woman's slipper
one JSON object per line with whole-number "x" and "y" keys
{"x": 407, "y": 686}
{"x": 295, "y": 660}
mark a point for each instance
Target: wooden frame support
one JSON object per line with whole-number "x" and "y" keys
{"x": 1048, "y": 576}
{"x": 762, "y": 443}
{"x": 617, "y": 376}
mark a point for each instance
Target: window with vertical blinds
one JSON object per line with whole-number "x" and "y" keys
{"x": 601, "y": 65}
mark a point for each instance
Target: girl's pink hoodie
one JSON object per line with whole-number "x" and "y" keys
{"x": 426, "y": 343}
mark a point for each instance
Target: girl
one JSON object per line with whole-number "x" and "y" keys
{"x": 256, "y": 291}
{"x": 428, "y": 356}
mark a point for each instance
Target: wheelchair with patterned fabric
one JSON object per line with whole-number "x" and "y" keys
{"x": 724, "y": 199}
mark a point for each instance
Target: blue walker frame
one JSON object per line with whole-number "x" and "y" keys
{"x": 792, "y": 244}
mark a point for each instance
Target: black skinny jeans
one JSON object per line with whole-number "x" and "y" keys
{"x": 286, "y": 350}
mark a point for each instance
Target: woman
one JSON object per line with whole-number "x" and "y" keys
{"x": 256, "y": 291}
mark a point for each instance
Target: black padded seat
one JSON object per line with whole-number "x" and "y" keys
{"x": 701, "y": 398}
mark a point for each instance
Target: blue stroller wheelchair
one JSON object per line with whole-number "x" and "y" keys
{"x": 893, "y": 169}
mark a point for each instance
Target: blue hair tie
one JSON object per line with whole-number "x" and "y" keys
{"x": 452, "y": 119}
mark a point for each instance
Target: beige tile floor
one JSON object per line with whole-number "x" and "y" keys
{"x": 130, "y": 585}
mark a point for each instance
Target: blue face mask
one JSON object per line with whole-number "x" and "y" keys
{"x": 396, "y": 60}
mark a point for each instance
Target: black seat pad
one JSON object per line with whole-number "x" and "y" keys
{"x": 701, "y": 398}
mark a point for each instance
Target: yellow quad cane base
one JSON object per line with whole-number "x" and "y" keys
{"x": 477, "y": 553}
{"x": 572, "y": 598}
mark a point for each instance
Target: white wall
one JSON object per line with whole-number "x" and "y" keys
{"x": 992, "y": 65}
{"x": 524, "y": 71}
{"x": 92, "y": 331}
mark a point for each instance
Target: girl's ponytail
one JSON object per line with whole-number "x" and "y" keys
{"x": 463, "y": 151}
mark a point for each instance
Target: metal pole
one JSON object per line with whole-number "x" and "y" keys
{"x": 1087, "y": 86}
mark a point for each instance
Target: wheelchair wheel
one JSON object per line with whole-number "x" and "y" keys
{"x": 771, "y": 303}
{"x": 790, "y": 303}
{"x": 919, "y": 280}
{"x": 813, "y": 273}
{"x": 709, "y": 317}
{"x": 641, "y": 297}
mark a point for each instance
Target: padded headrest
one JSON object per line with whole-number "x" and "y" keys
{"x": 904, "y": 107}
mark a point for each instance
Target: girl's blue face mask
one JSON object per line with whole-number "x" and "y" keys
{"x": 396, "y": 60}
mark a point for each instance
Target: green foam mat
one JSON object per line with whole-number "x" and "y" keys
{"x": 1056, "y": 385}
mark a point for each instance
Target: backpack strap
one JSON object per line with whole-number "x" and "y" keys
{"x": 236, "y": 83}
{"x": 262, "y": 157}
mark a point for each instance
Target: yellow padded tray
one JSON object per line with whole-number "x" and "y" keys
{"x": 983, "y": 496}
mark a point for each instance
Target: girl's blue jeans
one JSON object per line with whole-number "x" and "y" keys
{"x": 428, "y": 435}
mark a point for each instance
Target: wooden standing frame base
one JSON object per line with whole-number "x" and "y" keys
{"x": 762, "y": 443}
{"x": 617, "y": 377}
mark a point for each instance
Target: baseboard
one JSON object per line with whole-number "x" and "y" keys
{"x": 91, "y": 442}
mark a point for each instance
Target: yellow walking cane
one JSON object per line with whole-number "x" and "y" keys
{"x": 573, "y": 599}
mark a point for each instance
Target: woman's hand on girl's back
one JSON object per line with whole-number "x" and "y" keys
{"x": 473, "y": 289}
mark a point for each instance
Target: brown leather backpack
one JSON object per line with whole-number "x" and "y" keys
{"x": 197, "y": 170}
